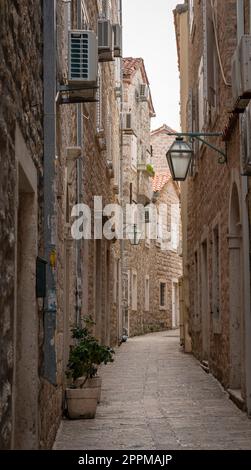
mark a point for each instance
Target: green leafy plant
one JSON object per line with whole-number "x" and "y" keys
{"x": 87, "y": 354}
{"x": 150, "y": 170}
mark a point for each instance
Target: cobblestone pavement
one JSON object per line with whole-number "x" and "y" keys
{"x": 156, "y": 397}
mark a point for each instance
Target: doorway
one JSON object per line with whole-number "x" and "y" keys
{"x": 235, "y": 292}
{"x": 205, "y": 301}
{"x": 106, "y": 335}
{"x": 98, "y": 292}
{"x": 25, "y": 379}
{"x": 175, "y": 305}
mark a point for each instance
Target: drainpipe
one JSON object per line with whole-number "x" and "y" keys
{"x": 79, "y": 167}
{"x": 246, "y": 287}
{"x": 246, "y": 239}
{"x": 50, "y": 218}
{"x": 240, "y": 19}
{"x": 122, "y": 306}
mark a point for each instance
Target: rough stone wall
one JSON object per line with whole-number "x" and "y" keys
{"x": 21, "y": 103}
{"x": 136, "y": 258}
{"x": 147, "y": 259}
{"x": 160, "y": 142}
{"x": 97, "y": 182}
{"x": 166, "y": 264}
{"x": 209, "y": 192}
{"x": 150, "y": 260}
{"x": 51, "y": 399}
{"x": 141, "y": 184}
{"x": 21, "y": 90}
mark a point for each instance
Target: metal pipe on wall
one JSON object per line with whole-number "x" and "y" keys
{"x": 79, "y": 167}
{"x": 50, "y": 232}
{"x": 240, "y": 19}
{"x": 245, "y": 194}
{"x": 122, "y": 307}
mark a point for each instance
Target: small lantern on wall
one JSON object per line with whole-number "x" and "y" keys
{"x": 135, "y": 235}
{"x": 179, "y": 159}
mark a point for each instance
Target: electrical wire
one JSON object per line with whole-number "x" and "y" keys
{"x": 218, "y": 48}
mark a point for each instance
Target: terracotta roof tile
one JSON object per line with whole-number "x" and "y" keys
{"x": 163, "y": 129}
{"x": 160, "y": 180}
{"x": 130, "y": 65}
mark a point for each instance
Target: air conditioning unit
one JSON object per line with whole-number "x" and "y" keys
{"x": 143, "y": 92}
{"x": 105, "y": 40}
{"x": 127, "y": 121}
{"x": 83, "y": 57}
{"x": 117, "y": 36}
{"x": 246, "y": 142}
{"x": 241, "y": 74}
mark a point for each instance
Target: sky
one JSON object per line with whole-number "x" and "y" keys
{"x": 148, "y": 32}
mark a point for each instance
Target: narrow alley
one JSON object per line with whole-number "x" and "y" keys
{"x": 125, "y": 228}
{"x": 156, "y": 397}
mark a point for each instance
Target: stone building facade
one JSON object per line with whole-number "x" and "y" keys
{"x": 166, "y": 252}
{"x": 215, "y": 197}
{"x": 151, "y": 272}
{"x": 21, "y": 142}
{"x": 56, "y": 151}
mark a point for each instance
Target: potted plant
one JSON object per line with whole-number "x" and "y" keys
{"x": 86, "y": 355}
{"x": 150, "y": 170}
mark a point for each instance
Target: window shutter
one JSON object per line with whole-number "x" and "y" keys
{"x": 201, "y": 97}
{"x": 212, "y": 59}
{"x": 129, "y": 288}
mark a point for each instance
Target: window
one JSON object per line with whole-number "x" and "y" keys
{"x": 147, "y": 293}
{"x": 204, "y": 287}
{"x": 129, "y": 288}
{"x": 196, "y": 289}
{"x": 162, "y": 301}
{"x": 147, "y": 229}
{"x": 134, "y": 151}
{"x": 151, "y": 223}
{"x": 134, "y": 292}
{"x": 216, "y": 274}
{"x": 116, "y": 281}
{"x": 212, "y": 59}
{"x": 201, "y": 97}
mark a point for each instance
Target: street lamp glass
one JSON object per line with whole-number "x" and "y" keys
{"x": 179, "y": 158}
{"x": 135, "y": 235}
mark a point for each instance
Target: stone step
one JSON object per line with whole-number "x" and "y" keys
{"x": 205, "y": 366}
{"x": 236, "y": 397}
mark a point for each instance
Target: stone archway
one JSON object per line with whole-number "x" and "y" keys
{"x": 235, "y": 291}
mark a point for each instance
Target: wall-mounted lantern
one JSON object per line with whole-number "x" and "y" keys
{"x": 135, "y": 235}
{"x": 179, "y": 156}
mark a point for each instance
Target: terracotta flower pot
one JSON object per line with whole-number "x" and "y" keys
{"x": 82, "y": 402}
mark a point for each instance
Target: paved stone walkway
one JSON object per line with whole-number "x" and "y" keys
{"x": 156, "y": 397}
